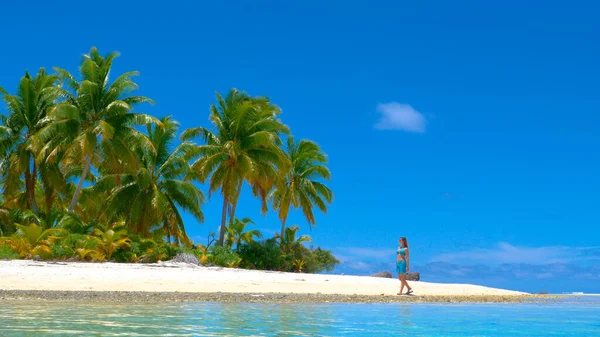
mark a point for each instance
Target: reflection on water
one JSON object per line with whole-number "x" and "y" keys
{"x": 231, "y": 319}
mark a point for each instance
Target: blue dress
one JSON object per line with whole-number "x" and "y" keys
{"x": 401, "y": 265}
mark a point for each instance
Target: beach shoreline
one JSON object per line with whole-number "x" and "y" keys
{"x": 128, "y": 297}
{"x": 187, "y": 282}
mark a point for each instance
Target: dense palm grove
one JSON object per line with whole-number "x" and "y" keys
{"x": 86, "y": 178}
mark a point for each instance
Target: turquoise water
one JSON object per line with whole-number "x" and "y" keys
{"x": 223, "y": 319}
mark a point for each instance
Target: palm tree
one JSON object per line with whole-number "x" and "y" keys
{"x": 151, "y": 196}
{"x": 6, "y": 225}
{"x": 245, "y": 147}
{"x": 289, "y": 236}
{"x": 95, "y": 119}
{"x": 302, "y": 186}
{"x": 36, "y": 234}
{"x": 33, "y": 240}
{"x": 237, "y": 234}
{"x": 28, "y": 110}
{"x": 110, "y": 240}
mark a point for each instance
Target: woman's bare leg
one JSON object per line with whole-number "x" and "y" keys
{"x": 409, "y": 289}
{"x": 402, "y": 280}
{"x": 404, "y": 283}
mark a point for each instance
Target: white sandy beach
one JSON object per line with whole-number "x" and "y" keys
{"x": 171, "y": 277}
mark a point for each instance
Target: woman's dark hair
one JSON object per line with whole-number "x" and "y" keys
{"x": 404, "y": 242}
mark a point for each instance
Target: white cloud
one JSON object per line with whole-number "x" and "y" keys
{"x": 505, "y": 253}
{"x": 397, "y": 116}
{"x": 450, "y": 272}
{"x": 484, "y": 263}
{"x": 364, "y": 261}
{"x": 365, "y": 253}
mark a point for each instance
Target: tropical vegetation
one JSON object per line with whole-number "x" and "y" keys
{"x": 302, "y": 185}
{"x": 85, "y": 177}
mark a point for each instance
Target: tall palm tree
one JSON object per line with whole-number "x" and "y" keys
{"x": 237, "y": 233}
{"x": 28, "y": 110}
{"x": 289, "y": 237}
{"x": 150, "y": 197}
{"x": 302, "y": 185}
{"x": 96, "y": 120}
{"x": 244, "y": 147}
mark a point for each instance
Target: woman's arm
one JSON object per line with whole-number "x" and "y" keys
{"x": 407, "y": 260}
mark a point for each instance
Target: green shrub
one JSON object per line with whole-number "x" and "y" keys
{"x": 263, "y": 255}
{"x": 293, "y": 257}
{"x": 140, "y": 249}
{"x": 187, "y": 250}
{"x": 224, "y": 257}
{"x": 172, "y": 249}
{"x": 80, "y": 241}
{"x": 323, "y": 261}
{"x": 61, "y": 251}
{"x": 136, "y": 246}
{"x": 7, "y": 253}
{"x": 153, "y": 251}
{"x": 125, "y": 255}
{"x": 66, "y": 244}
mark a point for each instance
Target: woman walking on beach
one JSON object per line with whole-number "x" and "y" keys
{"x": 403, "y": 265}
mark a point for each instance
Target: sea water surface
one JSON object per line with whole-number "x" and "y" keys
{"x": 566, "y": 318}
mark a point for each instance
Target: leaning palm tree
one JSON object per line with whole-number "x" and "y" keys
{"x": 244, "y": 147}
{"x": 289, "y": 237}
{"x": 152, "y": 196}
{"x": 302, "y": 185}
{"x": 96, "y": 116}
{"x": 237, "y": 233}
{"x": 28, "y": 109}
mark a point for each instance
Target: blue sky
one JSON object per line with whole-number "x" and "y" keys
{"x": 469, "y": 127}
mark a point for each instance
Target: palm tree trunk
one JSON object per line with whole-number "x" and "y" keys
{"x": 223, "y": 222}
{"x": 86, "y": 168}
{"x": 283, "y": 229}
{"x": 34, "y": 207}
{"x": 234, "y": 203}
{"x": 140, "y": 229}
{"x": 48, "y": 194}
{"x": 49, "y": 200}
{"x": 28, "y": 186}
{"x": 232, "y": 211}
{"x": 30, "y": 189}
